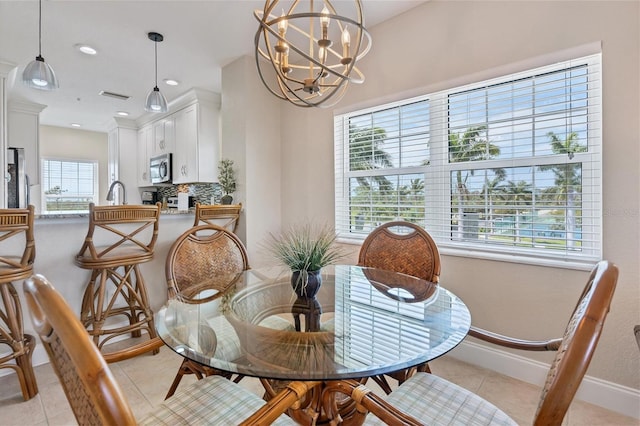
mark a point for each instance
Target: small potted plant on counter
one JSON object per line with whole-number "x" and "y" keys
{"x": 305, "y": 250}
{"x": 227, "y": 180}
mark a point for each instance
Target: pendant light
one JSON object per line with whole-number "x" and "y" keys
{"x": 156, "y": 102}
{"x": 38, "y": 74}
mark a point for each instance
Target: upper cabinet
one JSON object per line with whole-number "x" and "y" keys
{"x": 24, "y": 132}
{"x": 163, "y": 137}
{"x": 197, "y": 144}
{"x": 123, "y": 139}
{"x": 191, "y": 132}
{"x": 145, "y": 150}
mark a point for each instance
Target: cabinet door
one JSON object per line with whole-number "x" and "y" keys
{"x": 158, "y": 139}
{"x": 169, "y": 135}
{"x": 24, "y": 132}
{"x": 163, "y": 137}
{"x": 185, "y": 159}
{"x": 145, "y": 141}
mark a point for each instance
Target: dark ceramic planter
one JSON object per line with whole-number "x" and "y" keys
{"x": 309, "y": 288}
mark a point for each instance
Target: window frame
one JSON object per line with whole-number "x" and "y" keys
{"x": 95, "y": 196}
{"x": 437, "y": 175}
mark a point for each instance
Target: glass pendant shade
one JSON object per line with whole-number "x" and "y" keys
{"x": 39, "y": 75}
{"x": 156, "y": 101}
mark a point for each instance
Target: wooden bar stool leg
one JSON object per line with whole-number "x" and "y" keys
{"x": 21, "y": 344}
{"x": 141, "y": 290}
{"x": 100, "y": 302}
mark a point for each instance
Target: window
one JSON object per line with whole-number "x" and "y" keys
{"x": 68, "y": 186}
{"x": 509, "y": 166}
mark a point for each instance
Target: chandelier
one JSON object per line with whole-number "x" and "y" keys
{"x": 311, "y": 49}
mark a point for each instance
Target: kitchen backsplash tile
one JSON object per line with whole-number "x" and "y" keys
{"x": 202, "y": 192}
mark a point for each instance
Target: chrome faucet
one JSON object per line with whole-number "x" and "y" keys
{"x": 124, "y": 192}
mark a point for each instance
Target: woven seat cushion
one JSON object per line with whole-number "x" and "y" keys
{"x": 210, "y": 401}
{"x": 435, "y": 401}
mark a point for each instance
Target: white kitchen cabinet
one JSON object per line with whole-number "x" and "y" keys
{"x": 123, "y": 166}
{"x": 163, "y": 137}
{"x": 197, "y": 151}
{"x": 23, "y": 129}
{"x": 145, "y": 150}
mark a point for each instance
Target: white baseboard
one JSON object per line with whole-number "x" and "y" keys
{"x": 612, "y": 396}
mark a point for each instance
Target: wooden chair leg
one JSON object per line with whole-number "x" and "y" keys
{"x": 176, "y": 381}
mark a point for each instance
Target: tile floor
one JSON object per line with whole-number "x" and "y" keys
{"x": 145, "y": 380}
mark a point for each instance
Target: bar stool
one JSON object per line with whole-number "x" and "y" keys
{"x": 13, "y": 224}
{"x": 225, "y": 215}
{"x": 118, "y": 240}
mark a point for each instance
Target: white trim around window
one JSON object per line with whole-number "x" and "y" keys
{"x": 506, "y": 169}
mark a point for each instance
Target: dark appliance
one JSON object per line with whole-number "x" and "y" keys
{"x": 17, "y": 180}
{"x": 160, "y": 169}
{"x": 149, "y": 197}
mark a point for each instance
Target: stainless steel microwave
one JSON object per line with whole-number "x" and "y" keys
{"x": 160, "y": 169}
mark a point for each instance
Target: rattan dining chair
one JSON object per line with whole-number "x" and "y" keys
{"x": 16, "y": 263}
{"x": 225, "y": 215}
{"x": 407, "y": 248}
{"x": 204, "y": 260}
{"x": 96, "y": 398}
{"x": 435, "y": 401}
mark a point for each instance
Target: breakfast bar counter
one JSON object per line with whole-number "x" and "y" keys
{"x": 58, "y": 240}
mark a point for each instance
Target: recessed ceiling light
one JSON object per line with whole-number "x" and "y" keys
{"x": 75, "y": 125}
{"x": 86, "y": 49}
{"x": 122, "y": 113}
{"x": 171, "y": 82}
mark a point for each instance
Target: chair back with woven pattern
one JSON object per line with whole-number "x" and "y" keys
{"x": 16, "y": 223}
{"x": 119, "y": 235}
{"x": 205, "y": 257}
{"x": 225, "y": 215}
{"x": 578, "y": 344}
{"x": 92, "y": 391}
{"x": 402, "y": 247}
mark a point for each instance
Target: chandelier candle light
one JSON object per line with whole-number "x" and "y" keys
{"x": 310, "y": 69}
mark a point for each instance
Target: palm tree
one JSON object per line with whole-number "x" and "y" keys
{"x": 365, "y": 153}
{"x": 491, "y": 188}
{"x": 568, "y": 178}
{"x": 517, "y": 194}
{"x": 469, "y": 146}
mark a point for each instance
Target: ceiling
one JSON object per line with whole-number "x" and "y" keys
{"x": 200, "y": 37}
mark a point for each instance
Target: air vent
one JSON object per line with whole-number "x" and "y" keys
{"x": 114, "y": 95}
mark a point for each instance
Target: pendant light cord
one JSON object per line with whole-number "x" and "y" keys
{"x": 40, "y": 28}
{"x": 156, "y": 46}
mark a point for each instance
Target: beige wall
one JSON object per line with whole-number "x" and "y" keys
{"x": 447, "y": 43}
{"x": 251, "y": 138}
{"x": 63, "y": 143}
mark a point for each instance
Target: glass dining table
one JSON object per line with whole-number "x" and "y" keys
{"x": 363, "y": 322}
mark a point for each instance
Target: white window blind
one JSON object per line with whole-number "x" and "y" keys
{"x": 68, "y": 186}
{"x": 509, "y": 166}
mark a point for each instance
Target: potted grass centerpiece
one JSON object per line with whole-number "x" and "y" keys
{"x": 305, "y": 250}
